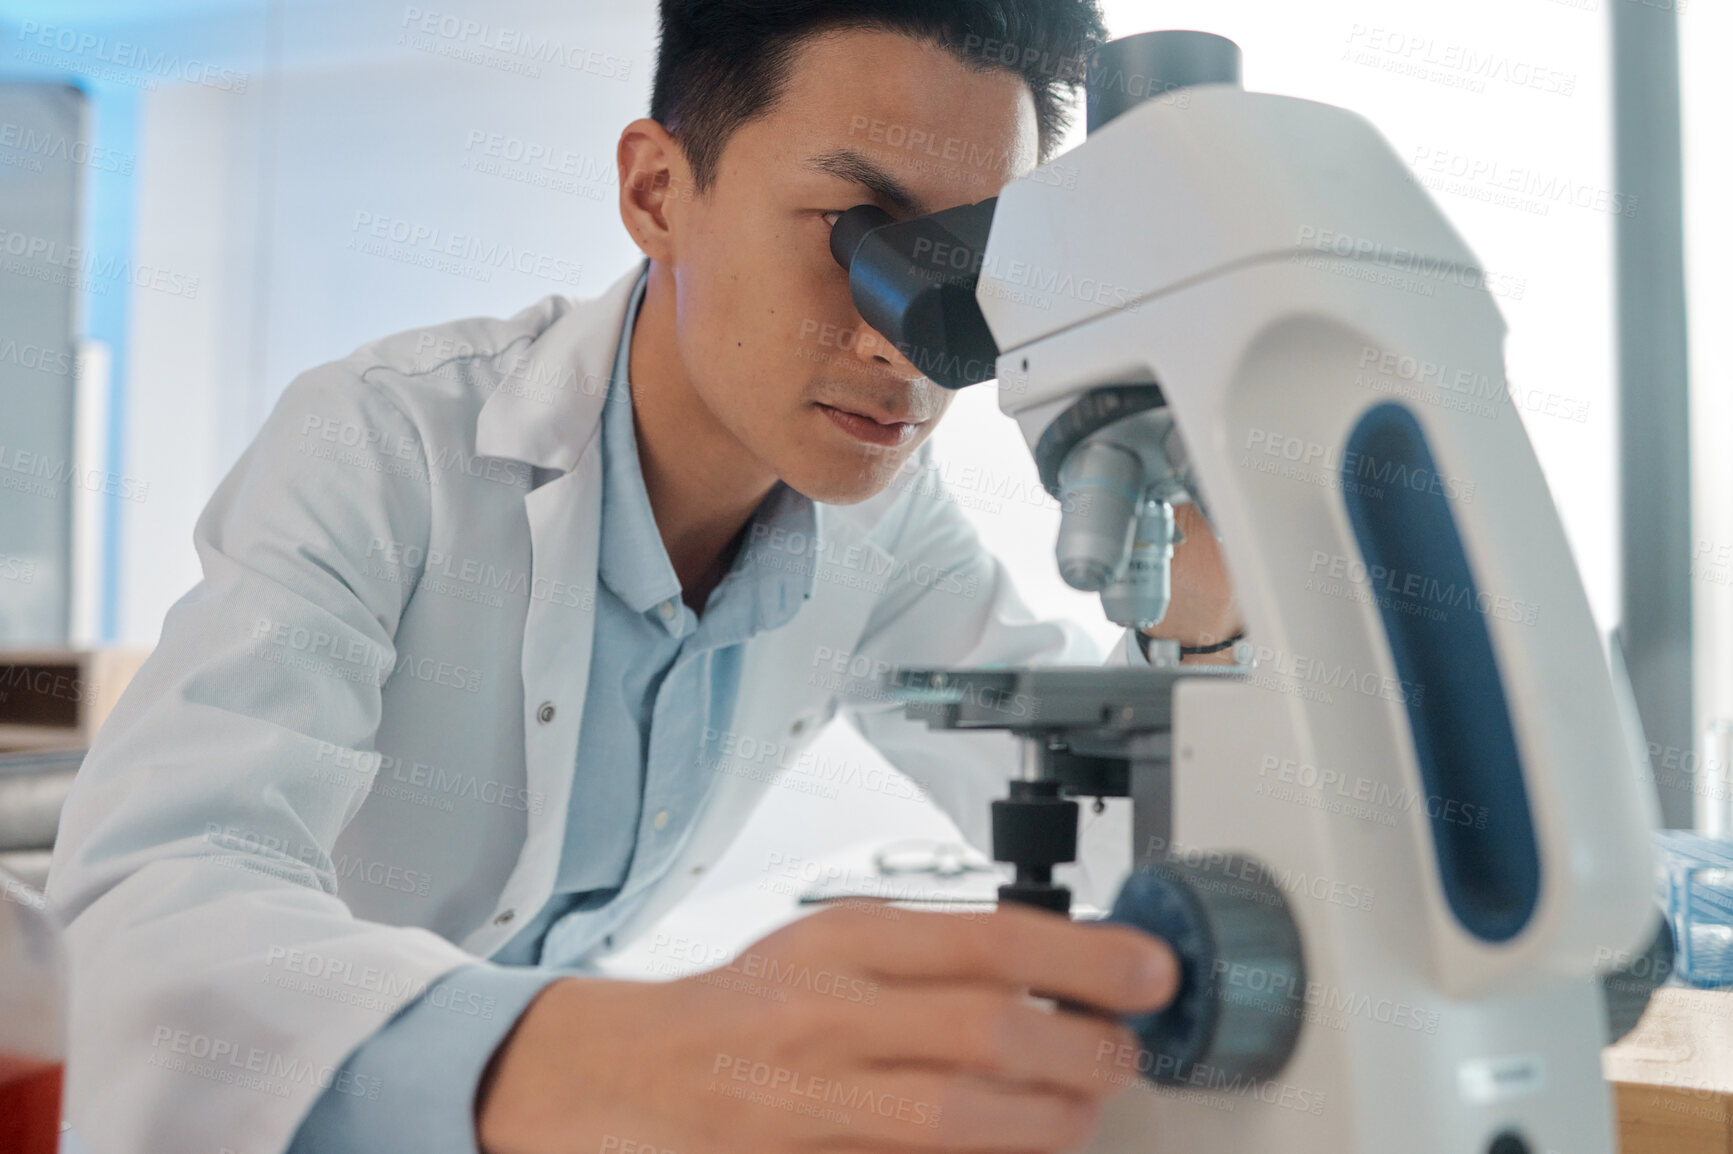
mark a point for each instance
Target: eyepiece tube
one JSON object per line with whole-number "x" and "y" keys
{"x": 1141, "y": 597}
{"x": 852, "y": 227}
{"x": 1100, "y": 491}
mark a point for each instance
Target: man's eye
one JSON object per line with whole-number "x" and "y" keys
{"x": 831, "y": 218}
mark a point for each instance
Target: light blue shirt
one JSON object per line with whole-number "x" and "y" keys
{"x": 663, "y": 683}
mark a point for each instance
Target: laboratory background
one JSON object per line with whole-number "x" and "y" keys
{"x": 201, "y": 199}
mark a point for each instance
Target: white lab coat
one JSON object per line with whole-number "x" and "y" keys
{"x": 250, "y": 897}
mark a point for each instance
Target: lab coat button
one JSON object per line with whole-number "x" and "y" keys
{"x": 504, "y": 917}
{"x": 666, "y": 609}
{"x": 661, "y": 819}
{"x": 798, "y": 726}
{"x": 546, "y": 713}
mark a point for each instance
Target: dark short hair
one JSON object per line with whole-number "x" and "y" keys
{"x": 721, "y": 63}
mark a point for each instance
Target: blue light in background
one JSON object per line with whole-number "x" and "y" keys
{"x": 110, "y": 204}
{"x": 95, "y": 14}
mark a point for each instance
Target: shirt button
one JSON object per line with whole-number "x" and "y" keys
{"x": 504, "y": 917}
{"x": 546, "y": 713}
{"x": 661, "y": 821}
{"x": 666, "y": 609}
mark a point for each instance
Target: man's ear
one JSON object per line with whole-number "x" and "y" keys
{"x": 655, "y": 181}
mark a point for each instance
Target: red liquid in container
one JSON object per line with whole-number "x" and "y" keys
{"x": 29, "y": 1105}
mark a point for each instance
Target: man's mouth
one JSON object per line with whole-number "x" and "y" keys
{"x": 871, "y": 429}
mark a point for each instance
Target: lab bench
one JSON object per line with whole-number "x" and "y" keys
{"x": 1672, "y": 1076}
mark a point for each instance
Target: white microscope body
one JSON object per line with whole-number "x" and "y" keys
{"x": 1331, "y": 360}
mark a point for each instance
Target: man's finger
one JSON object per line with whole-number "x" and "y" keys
{"x": 994, "y": 1033}
{"x": 1111, "y": 967}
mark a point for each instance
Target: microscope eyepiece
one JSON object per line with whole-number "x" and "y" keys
{"x": 852, "y": 227}
{"x": 914, "y": 281}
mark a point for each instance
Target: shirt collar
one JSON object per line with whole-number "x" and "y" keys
{"x": 778, "y": 556}
{"x": 634, "y": 563}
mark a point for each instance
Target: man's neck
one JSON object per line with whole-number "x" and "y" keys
{"x": 703, "y": 484}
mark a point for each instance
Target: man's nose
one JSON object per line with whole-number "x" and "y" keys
{"x": 881, "y": 355}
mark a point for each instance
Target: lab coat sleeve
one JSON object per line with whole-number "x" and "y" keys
{"x": 410, "y": 1088}
{"x": 194, "y": 860}
{"x": 956, "y": 605}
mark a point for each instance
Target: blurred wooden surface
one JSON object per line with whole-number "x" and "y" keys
{"x": 1672, "y": 1077}
{"x": 57, "y": 699}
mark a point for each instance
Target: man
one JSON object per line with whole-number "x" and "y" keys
{"x": 486, "y": 606}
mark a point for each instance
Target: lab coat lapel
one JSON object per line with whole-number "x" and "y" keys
{"x": 546, "y": 412}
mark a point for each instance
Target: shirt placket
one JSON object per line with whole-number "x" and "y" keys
{"x": 675, "y": 738}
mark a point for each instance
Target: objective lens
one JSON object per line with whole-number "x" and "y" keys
{"x": 1141, "y": 597}
{"x": 1100, "y": 489}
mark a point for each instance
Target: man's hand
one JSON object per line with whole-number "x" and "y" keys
{"x": 864, "y": 1029}
{"x": 1203, "y": 611}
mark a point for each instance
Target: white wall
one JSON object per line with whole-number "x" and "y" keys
{"x": 188, "y": 354}
{"x": 1705, "y": 31}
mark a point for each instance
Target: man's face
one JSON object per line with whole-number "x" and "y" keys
{"x": 767, "y": 333}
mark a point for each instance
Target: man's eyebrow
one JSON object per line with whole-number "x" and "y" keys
{"x": 854, "y": 167}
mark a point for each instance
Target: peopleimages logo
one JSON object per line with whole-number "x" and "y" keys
{"x": 42, "y": 475}
{"x": 462, "y": 38}
{"x": 48, "y": 259}
{"x": 25, "y": 139}
{"x": 1405, "y": 260}
{"x": 774, "y": 1081}
{"x": 1363, "y": 467}
{"x": 447, "y": 251}
{"x": 91, "y": 49}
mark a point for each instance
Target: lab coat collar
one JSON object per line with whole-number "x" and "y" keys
{"x": 548, "y": 403}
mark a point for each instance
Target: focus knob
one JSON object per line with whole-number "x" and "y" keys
{"x": 1242, "y": 976}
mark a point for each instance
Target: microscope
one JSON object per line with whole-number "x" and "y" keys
{"x": 1402, "y": 846}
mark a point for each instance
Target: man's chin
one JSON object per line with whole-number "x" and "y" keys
{"x": 833, "y": 486}
{"x": 831, "y": 493}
